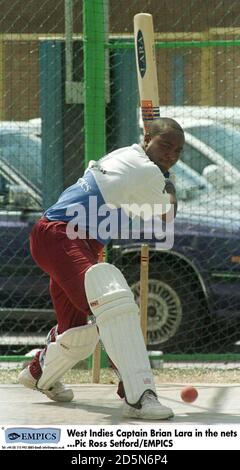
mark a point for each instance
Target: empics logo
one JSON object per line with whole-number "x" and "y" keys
{"x": 33, "y": 435}
{"x": 13, "y": 436}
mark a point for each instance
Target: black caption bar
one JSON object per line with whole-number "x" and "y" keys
{"x": 106, "y": 458}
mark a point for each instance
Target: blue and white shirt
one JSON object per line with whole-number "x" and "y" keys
{"x": 98, "y": 203}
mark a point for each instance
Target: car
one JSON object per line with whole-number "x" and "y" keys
{"x": 188, "y": 182}
{"x": 211, "y": 143}
{"x": 21, "y": 151}
{"x": 219, "y": 114}
{"x": 23, "y": 287}
{"x": 194, "y": 300}
{"x": 197, "y": 193}
{"x": 194, "y": 288}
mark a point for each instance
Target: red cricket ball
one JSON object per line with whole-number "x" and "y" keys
{"x": 189, "y": 394}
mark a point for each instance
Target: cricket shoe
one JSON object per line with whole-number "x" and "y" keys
{"x": 58, "y": 392}
{"x": 149, "y": 408}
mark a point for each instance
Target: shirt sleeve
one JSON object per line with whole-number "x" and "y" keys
{"x": 150, "y": 199}
{"x": 157, "y": 197}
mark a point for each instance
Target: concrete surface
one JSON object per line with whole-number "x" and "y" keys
{"x": 99, "y": 404}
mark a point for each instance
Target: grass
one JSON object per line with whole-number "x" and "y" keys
{"x": 166, "y": 375}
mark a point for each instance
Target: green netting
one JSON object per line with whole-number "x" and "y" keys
{"x": 61, "y": 106}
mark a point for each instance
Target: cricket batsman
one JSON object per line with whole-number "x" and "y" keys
{"x": 66, "y": 243}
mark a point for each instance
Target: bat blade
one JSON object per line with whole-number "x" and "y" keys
{"x": 146, "y": 68}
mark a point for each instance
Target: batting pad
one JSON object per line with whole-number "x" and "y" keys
{"x": 116, "y": 312}
{"x": 70, "y": 347}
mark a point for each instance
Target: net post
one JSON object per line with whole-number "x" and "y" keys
{"x": 94, "y": 79}
{"x": 144, "y": 268}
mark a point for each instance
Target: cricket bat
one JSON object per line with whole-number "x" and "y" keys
{"x": 146, "y": 69}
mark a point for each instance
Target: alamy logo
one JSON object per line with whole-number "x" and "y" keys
{"x": 33, "y": 435}
{"x": 126, "y": 221}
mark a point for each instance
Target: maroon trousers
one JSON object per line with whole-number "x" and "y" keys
{"x": 66, "y": 261}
